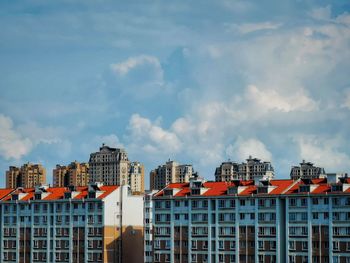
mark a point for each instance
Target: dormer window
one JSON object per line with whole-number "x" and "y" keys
{"x": 262, "y": 190}
{"x": 232, "y": 190}
{"x": 37, "y": 196}
{"x": 195, "y": 191}
{"x": 337, "y": 188}
{"x": 168, "y": 192}
{"x": 67, "y": 195}
{"x": 92, "y": 195}
{"x": 304, "y": 189}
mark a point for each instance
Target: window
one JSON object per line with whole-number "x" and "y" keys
{"x": 335, "y": 245}
{"x": 221, "y": 244}
{"x": 315, "y": 215}
{"x": 292, "y": 202}
{"x": 304, "y": 245}
{"x": 303, "y": 201}
{"x": 291, "y": 245}
{"x": 261, "y": 244}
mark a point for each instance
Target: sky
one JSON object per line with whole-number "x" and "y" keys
{"x": 199, "y": 82}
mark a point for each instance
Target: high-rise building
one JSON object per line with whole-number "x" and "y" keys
{"x": 306, "y": 170}
{"x": 28, "y": 176}
{"x": 253, "y": 221}
{"x": 112, "y": 166}
{"x": 136, "y": 177}
{"x": 229, "y": 171}
{"x": 170, "y": 172}
{"x": 75, "y": 173}
{"x": 13, "y": 177}
{"x": 95, "y": 223}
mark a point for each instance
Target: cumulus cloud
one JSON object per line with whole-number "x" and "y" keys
{"x": 269, "y": 99}
{"x": 243, "y": 148}
{"x": 12, "y": 143}
{"x": 325, "y": 152}
{"x": 153, "y": 137}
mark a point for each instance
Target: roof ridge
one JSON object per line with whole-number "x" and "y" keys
{"x": 291, "y": 186}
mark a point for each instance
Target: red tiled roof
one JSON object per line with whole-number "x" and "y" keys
{"x": 282, "y": 186}
{"x": 54, "y": 193}
{"x": 323, "y": 188}
{"x": 251, "y": 189}
{"x": 5, "y": 192}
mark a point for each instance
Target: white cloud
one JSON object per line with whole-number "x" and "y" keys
{"x": 151, "y": 137}
{"x": 321, "y": 13}
{"x": 242, "y": 149}
{"x": 269, "y": 99}
{"x": 131, "y": 63}
{"x": 324, "y": 152}
{"x": 346, "y": 101}
{"x": 12, "y": 143}
{"x": 252, "y": 27}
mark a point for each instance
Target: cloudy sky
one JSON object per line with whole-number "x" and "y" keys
{"x": 198, "y": 82}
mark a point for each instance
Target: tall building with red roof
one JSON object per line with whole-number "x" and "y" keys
{"x": 306, "y": 220}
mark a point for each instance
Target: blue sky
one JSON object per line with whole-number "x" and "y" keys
{"x": 198, "y": 82}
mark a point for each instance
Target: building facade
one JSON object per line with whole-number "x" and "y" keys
{"x": 76, "y": 224}
{"x": 245, "y": 221}
{"x": 28, "y": 176}
{"x": 170, "y": 172}
{"x": 136, "y": 177}
{"x": 112, "y": 167}
{"x": 75, "y": 173}
{"x": 229, "y": 171}
{"x": 306, "y": 170}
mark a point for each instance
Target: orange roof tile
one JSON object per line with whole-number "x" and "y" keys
{"x": 54, "y": 193}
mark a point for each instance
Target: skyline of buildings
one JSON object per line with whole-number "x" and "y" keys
{"x": 111, "y": 165}
{"x": 257, "y": 220}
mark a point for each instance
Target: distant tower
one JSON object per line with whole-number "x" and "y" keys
{"x": 28, "y": 176}
{"x": 250, "y": 170}
{"x": 170, "y": 172}
{"x": 111, "y": 166}
{"x": 306, "y": 170}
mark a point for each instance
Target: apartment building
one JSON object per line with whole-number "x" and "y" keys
{"x": 170, "y": 172}
{"x": 75, "y": 173}
{"x": 112, "y": 167}
{"x": 136, "y": 177}
{"x": 248, "y": 170}
{"x": 95, "y": 223}
{"x": 253, "y": 221}
{"x": 28, "y": 176}
{"x": 306, "y": 170}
